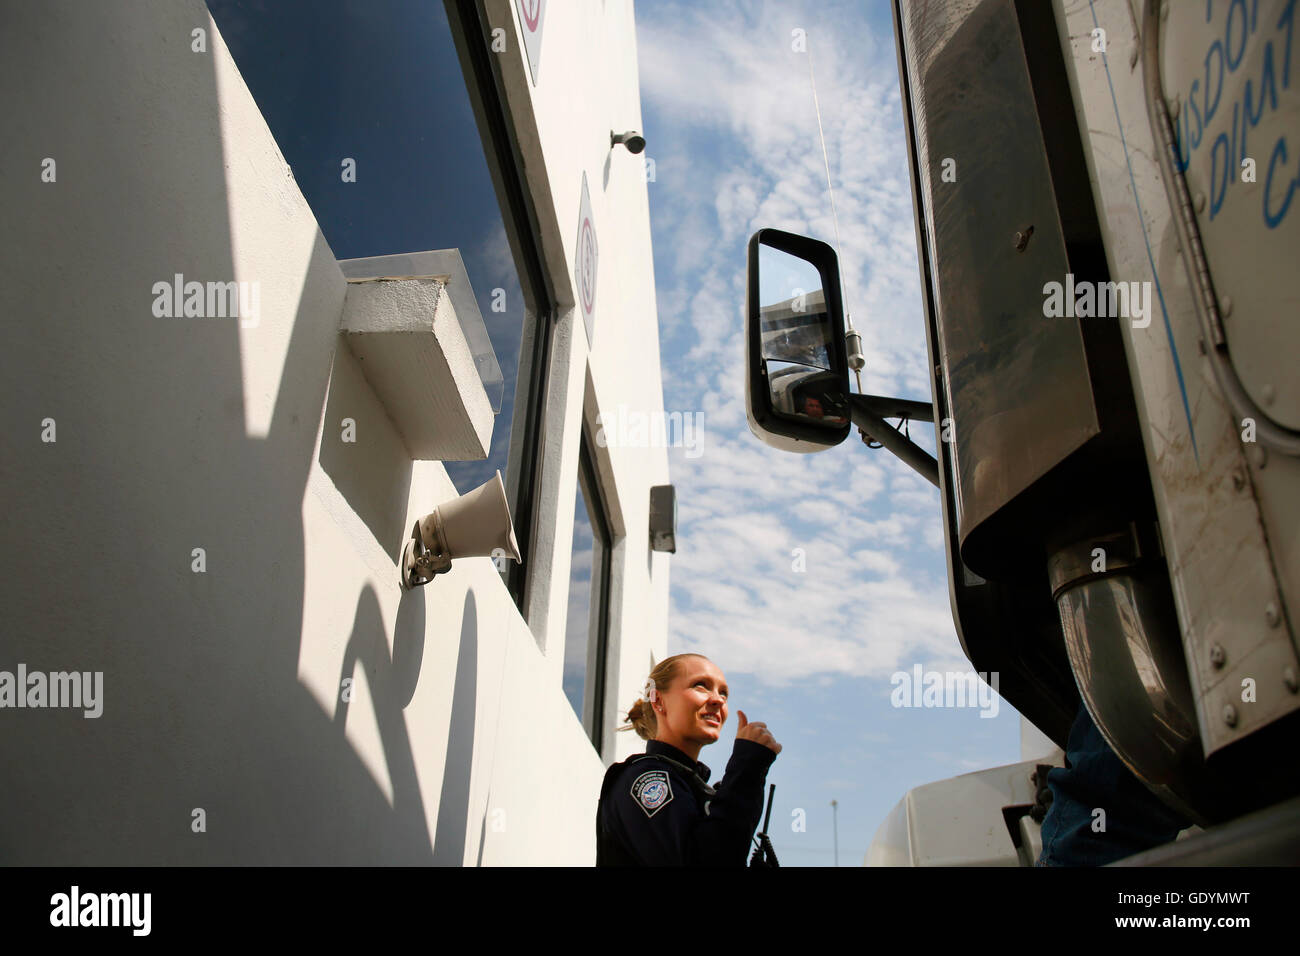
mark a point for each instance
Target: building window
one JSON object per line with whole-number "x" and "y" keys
{"x": 586, "y": 635}
{"x": 391, "y": 117}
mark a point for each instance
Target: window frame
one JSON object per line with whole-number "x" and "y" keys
{"x": 595, "y": 683}
{"x": 483, "y": 80}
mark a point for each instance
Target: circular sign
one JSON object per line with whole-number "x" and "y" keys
{"x": 532, "y": 10}
{"x": 587, "y": 265}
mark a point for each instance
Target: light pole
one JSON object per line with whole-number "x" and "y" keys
{"x": 835, "y": 829}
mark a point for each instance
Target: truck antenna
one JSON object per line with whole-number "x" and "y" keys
{"x": 852, "y": 339}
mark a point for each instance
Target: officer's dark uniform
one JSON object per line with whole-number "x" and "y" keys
{"x": 657, "y": 808}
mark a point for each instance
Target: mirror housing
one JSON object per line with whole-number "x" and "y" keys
{"x": 771, "y": 396}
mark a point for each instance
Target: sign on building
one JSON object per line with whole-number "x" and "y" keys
{"x": 531, "y": 13}
{"x": 586, "y": 258}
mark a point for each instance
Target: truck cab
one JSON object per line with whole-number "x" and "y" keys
{"x": 1102, "y": 197}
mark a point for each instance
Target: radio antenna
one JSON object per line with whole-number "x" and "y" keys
{"x": 852, "y": 340}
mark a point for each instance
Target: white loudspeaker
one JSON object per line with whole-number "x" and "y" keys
{"x": 477, "y": 524}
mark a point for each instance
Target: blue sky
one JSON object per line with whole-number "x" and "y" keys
{"x": 728, "y": 109}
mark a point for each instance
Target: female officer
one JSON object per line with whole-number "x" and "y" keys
{"x": 657, "y": 808}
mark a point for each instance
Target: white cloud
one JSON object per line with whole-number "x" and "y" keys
{"x": 735, "y": 115}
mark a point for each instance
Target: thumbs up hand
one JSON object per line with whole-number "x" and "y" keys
{"x": 756, "y": 731}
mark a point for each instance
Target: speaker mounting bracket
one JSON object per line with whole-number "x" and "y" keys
{"x": 425, "y": 554}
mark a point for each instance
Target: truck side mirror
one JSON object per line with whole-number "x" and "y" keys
{"x": 797, "y": 380}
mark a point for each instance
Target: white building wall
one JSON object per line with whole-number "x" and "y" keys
{"x": 586, "y": 88}
{"x": 222, "y": 689}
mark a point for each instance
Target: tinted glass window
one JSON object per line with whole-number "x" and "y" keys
{"x": 586, "y": 630}
{"x": 379, "y": 83}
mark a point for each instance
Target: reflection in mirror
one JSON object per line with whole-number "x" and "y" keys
{"x": 807, "y": 393}
{"x": 795, "y": 330}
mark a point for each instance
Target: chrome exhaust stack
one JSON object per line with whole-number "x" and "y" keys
{"x": 1125, "y": 648}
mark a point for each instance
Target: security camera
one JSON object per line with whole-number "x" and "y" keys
{"x": 476, "y": 524}
{"x": 633, "y": 140}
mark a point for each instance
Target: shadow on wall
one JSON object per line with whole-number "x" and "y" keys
{"x": 392, "y": 682}
{"x": 203, "y": 712}
{"x": 453, "y": 807}
{"x": 377, "y": 482}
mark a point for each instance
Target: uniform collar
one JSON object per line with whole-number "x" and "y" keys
{"x": 668, "y": 750}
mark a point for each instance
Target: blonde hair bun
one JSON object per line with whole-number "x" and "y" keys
{"x": 641, "y": 715}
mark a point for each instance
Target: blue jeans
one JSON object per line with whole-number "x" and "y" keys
{"x": 1094, "y": 778}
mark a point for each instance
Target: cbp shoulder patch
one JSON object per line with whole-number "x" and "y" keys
{"x": 652, "y": 791}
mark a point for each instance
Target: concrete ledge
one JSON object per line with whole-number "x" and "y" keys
{"x": 409, "y": 343}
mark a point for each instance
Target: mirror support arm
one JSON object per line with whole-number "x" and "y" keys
{"x": 866, "y": 414}
{"x": 896, "y": 407}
